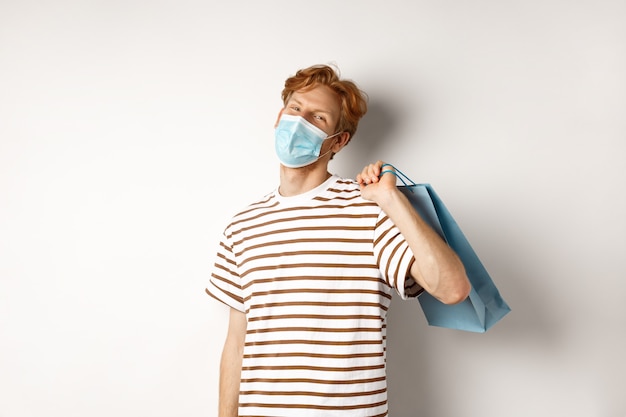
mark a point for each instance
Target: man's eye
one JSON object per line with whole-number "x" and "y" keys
{"x": 295, "y": 108}
{"x": 321, "y": 118}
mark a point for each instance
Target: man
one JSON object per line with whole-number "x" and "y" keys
{"x": 309, "y": 269}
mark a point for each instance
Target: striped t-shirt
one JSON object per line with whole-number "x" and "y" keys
{"x": 314, "y": 274}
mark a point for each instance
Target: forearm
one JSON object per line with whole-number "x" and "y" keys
{"x": 437, "y": 268}
{"x": 230, "y": 374}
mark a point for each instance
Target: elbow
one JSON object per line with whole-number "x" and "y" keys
{"x": 455, "y": 297}
{"x": 451, "y": 286}
{"x": 458, "y": 292}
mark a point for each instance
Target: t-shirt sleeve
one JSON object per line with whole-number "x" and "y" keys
{"x": 394, "y": 258}
{"x": 225, "y": 283}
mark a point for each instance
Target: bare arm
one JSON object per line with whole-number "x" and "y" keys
{"x": 230, "y": 365}
{"x": 437, "y": 268}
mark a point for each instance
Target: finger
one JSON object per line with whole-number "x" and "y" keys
{"x": 363, "y": 177}
{"x": 366, "y": 174}
{"x": 374, "y": 172}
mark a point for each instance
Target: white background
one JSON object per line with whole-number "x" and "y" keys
{"x": 130, "y": 131}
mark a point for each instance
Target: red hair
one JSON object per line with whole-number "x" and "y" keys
{"x": 353, "y": 100}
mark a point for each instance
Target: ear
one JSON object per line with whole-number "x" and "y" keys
{"x": 280, "y": 113}
{"x": 342, "y": 140}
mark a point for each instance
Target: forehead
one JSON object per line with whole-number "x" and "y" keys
{"x": 320, "y": 98}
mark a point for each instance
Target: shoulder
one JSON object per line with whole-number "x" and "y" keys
{"x": 252, "y": 210}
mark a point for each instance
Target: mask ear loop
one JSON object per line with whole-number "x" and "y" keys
{"x": 330, "y": 150}
{"x": 333, "y": 135}
{"x": 399, "y": 174}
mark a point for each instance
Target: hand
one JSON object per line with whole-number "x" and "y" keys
{"x": 372, "y": 184}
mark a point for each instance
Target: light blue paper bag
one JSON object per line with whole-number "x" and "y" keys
{"x": 485, "y": 306}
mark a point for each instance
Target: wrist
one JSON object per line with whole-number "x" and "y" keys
{"x": 387, "y": 198}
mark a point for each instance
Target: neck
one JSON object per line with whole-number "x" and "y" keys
{"x": 294, "y": 181}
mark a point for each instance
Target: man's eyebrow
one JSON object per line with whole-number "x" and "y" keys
{"x": 298, "y": 102}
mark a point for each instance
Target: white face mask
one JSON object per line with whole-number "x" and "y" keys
{"x": 298, "y": 143}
